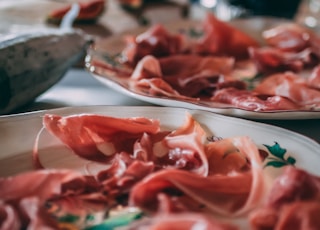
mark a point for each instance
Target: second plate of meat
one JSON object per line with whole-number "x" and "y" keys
{"x": 131, "y": 167}
{"x": 262, "y": 68}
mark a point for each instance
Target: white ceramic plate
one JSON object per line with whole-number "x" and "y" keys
{"x": 107, "y": 49}
{"x": 19, "y": 133}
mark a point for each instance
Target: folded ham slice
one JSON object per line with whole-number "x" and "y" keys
{"x": 230, "y": 194}
{"x": 293, "y": 203}
{"x": 253, "y": 101}
{"x": 291, "y": 86}
{"x": 169, "y": 76}
{"x": 25, "y": 198}
{"x": 222, "y": 39}
{"x": 97, "y": 137}
{"x": 156, "y": 41}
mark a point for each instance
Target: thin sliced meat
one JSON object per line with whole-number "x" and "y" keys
{"x": 156, "y": 41}
{"x": 169, "y": 76}
{"x": 220, "y": 194}
{"x": 97, "y": 137}
{"x": 43, "y": 184}
{"x": 23, "y": 197}
{"x": 220, "y": 38}
{"x": 288, "y": 37}
{"x": 314, "y": 79}
{"x": 253, "y": 101}
{"x": 291, "y": 86}
{"x": 299, "y": 215}
{"x": 293, "y": 185}
{"x": 225, "y": 158}
{"x": 292, "y": 203}
{"x": 269, "y": 60}
{"x": 147, "y": 79}
{"x": 289, "y": 46}
{"x": 232, "y": 194}
{"x": 122, "y": 175}
{"x": 9, "y": 218}
{"x": 157, "y": 87}
{"x": 147, "y": 67}
{"x": 182, "y": 148}
{"x": 200, "y": 77}
{"x": 185, "y": 147}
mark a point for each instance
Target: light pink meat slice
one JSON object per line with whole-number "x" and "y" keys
{"x": 98, "y": 137}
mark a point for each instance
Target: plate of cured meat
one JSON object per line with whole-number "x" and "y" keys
{"x": 262, "y": 68}
{"x": 111, "y": 167}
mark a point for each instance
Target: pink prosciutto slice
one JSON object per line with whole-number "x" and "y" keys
{"x": 169, "y": 76}
{"x": 228, "y": 194}
{"x": 184, "y": 147}
{"x": 291, "y": 86}
{"x": 314, "y": 79}
{"x": 289, "y": 37}
{"x": 156, "y": 41}
{"x": 97, "y": 137}
{"x": 270, "y": 60}
{"x": 220, "y": 38}
{"x": 200, "y": 77}
{"x": 23, "y": 198}
{"x": 293, "y": 203}
{"x": 288, "y": 47}
{"x": 253, "y": 101}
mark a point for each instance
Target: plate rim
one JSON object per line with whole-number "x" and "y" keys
{"x": 87, "y": 108}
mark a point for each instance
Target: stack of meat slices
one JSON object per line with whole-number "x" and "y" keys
{"x": 224, "y": 65}
{"x": 178, "y": 179}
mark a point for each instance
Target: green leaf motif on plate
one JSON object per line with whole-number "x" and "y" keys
{"x": 277, "y": 158}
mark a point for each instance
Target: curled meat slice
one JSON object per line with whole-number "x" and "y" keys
{"x": 226, "y": 194}
{"x": 289, "y": 47}
{"x": 97, "y": 137}
{"x": 200, "y": 77}
{"x": 156, "y": 41}
{"x": 291, "y": 86}
{"x": 220, "y": 38}
{"x": 169, "y": 76}
{"x": 314, "y": 79}
{"x": 270, "y": 60}
{"x": 23, "y": 197}
{"x": 184, "y": 147}
{"x": 293, "y": 203}
{"x": 43, "y": 184}
{"x": 253, "y": 101}
{"x": 289, "y": 37}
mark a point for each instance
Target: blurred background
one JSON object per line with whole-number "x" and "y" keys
{"x": 120, "y": 15}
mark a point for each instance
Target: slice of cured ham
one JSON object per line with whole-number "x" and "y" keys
{"x": 270, "y": 60}
{"x": 222, "y": 39}
{"x": 156, "y": 41}
{"x": 226, "y": 194}
{"x": 253, "y": 101}
{"x": 169, "y": 76}
{"x": 200, "y": 78}
{"x": 25, "y": 198}
{"x": 288, "y": 47}
{"x": 293, "y": 203}
{"x": 97, "y": 137}
{"x": 291, "y": 86}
